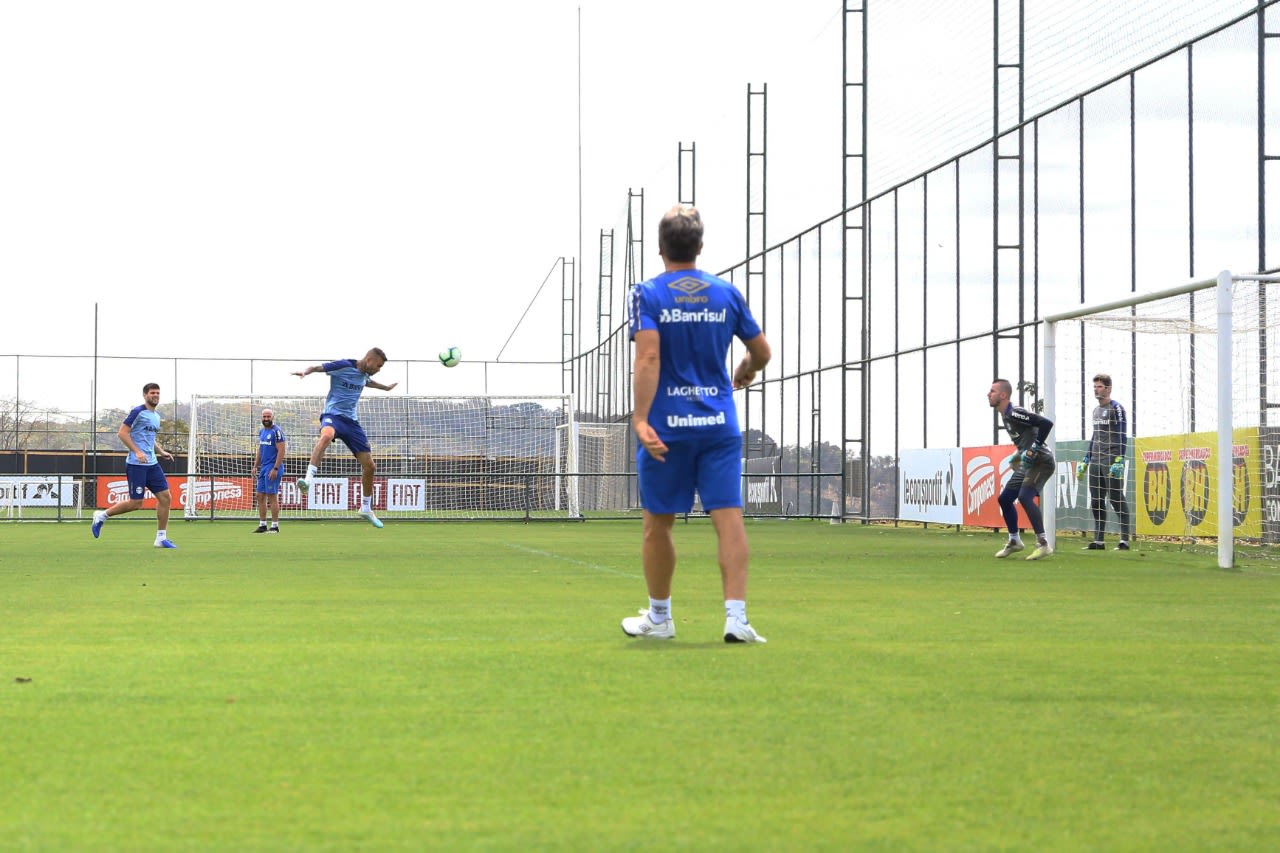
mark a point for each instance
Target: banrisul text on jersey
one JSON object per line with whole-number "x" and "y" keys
{"x": 697, "y": 316}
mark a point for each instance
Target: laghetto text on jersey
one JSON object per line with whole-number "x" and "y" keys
{"x": 696, "y": 316}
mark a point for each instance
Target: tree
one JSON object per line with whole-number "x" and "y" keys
{"x": 1030, "y": 390}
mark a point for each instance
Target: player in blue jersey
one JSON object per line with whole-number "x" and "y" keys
{"x": 268, "y": 465}
{"x": 1032, "y": 464}
{"x": 1104, "y": 465}
{"x": 686, "y": 423}
{"x": 138, "y": 433}
{"x": 347, "y": 380}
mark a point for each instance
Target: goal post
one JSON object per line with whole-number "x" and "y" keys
{"x": 1190, "y": 364}
{"x": 436, "y": 457}
{"x": 605, "y": 455}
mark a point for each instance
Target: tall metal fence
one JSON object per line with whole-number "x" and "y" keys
{"x": 890, "y": 320}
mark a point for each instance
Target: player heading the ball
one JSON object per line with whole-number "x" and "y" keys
{"x": 347, "y": 380}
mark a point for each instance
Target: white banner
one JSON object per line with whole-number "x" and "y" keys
{"x": 927, "y": 485}
{"x": 37, "y": 491}
{"x": 329, "y": 493}
{"x": 406, "y": 495}
{"x": 207, "y": 491}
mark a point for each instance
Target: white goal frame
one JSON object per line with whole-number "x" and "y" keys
{"x": 1223, "y": 283}
{"x": 455, "y": 456}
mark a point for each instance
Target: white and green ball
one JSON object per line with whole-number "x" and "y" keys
{"x": 450, "y": 357}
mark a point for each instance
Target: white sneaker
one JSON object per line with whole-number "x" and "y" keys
{"x": 304, "y": 485}
{"x": 1040, "y": 552}
{"x": 367, "y": 515}
{"x": 643, "y": 626}
{"x": 740, "y": 631}
{"x": 1009, "y": 547}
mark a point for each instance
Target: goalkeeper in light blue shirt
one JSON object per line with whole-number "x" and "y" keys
{"x": 686, "y": 423}
{"x": 347, "y": 380}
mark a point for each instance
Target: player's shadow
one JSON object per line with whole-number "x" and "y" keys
{"x": 641, "y": 646}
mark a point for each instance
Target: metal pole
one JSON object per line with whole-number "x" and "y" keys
{"x": 1226, "y": 468}
{"x": 1049, "y": 497}
{"x": 93, "y": 426}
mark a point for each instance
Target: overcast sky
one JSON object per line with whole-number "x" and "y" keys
{"x": 306, "y": 179}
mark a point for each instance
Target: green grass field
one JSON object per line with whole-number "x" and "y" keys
{"x": 463, "y": 686}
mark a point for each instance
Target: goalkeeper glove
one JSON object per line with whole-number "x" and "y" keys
{"x": 1030, "y": 455}
{"x": 1117, "y": 467}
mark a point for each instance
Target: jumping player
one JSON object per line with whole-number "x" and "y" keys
{"x": 347, "y": 380}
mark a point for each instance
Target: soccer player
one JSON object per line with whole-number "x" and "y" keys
{"x": 138, "y": 433}
{"x": 268, "y": 462}
{"x": 682, "y": 323}
{"x": 1033, "y": 465}
{"x": 347, "y": 380}
{"x": 1104, "y": 464}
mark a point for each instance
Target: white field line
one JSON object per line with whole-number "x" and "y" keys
{"x": 595, "y": 567}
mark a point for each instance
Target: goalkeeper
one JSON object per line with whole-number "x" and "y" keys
{"x": 1104, "y": 465}
{"x": 1032, "y": 464}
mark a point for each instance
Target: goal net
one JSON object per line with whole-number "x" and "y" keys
{"x": 436, "y": 457}
{"x": 606, "y": 456}
{"x": 1192, "y": 366}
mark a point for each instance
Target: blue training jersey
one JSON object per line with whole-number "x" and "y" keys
{"x": 346, "y": 383}
{"x": 696, "y": 315}
{"x": 269, "y": 441}
{"x": 144, "y": 426}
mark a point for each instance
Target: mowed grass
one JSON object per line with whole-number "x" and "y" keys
{"x": 463, "y": 686}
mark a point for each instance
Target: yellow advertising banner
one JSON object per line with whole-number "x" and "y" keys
{"x": 1177, "y": 478}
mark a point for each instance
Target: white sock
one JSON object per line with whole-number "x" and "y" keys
{"x": 1013, "y": 537}
{"x": 162, "y": 535}
{"x": 735, "y": 609}
{"x": 659, "y": 610}
{"x": 364, "y": 505}
{"x": 312, "y": 471}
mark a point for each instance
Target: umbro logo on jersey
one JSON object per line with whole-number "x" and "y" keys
{"x": 688, "y": 286}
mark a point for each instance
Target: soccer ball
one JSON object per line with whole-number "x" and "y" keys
{"x": 450, "y": 357}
